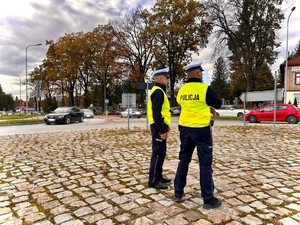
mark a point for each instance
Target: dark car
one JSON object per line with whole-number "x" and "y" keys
{"x": 65, "y": 115}
{"x": 284, "y": 113}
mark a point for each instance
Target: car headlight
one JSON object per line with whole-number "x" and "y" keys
{"x": 60, "y": 117}
{"x": 45, "y": 117}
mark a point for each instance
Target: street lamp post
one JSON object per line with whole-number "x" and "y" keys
{"x": 20, "y": 93}
{"x": 26, "y": 80}
{"x": 287, "y": 55}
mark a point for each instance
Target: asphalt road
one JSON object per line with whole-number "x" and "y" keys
{"x": 102, "y": 122}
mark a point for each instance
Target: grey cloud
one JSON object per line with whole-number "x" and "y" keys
{"x": 49, "y": 22}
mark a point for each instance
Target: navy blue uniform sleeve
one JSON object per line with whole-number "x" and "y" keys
{"x": 157, "y": 99}
{"x": 212, "y": 99}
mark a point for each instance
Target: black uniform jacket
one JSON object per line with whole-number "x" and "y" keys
{"x": 157, "y": 99}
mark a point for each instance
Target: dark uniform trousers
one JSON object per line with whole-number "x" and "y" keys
{"x": 159, "y": 148}
{"x": 191, "y": 138}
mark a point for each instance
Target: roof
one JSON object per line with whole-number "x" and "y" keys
{"x": 292, "y": 62}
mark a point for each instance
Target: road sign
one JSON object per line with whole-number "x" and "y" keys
{"x": 38, "y": 93}
{"x": 129, "y": 100}
{"x": 38, "y": 82}
{"x": 58, "y": 98}
{"x": 143, "y": 85}
{"x": 261, "y": 96}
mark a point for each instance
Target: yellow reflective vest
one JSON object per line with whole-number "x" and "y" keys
{"x": 194, "y": 110}
{"x": 165, "y": 110}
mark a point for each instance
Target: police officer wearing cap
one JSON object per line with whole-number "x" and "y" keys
{"x": 196, "y": 100}
{"x": 159, "y": 118}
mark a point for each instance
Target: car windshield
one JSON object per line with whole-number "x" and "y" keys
{"x": 295, "y": 107}
{"x": 86, "y": 110}
{"x": 62, "y": 110}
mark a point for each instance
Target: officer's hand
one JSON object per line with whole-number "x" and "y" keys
{"x": 213, "y": 111}
{"x": 164, "y": 136}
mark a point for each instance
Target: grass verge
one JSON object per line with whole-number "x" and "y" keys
{"x": 19, "y": 119}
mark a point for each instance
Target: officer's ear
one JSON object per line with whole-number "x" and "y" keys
{"x": 200, "y": 74}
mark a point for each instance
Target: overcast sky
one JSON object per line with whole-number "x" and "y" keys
{"x": 27, "y": 22}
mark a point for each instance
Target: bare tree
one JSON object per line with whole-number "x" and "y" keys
{"x": 131, "y": 35}
{"x": 248, "y": 28}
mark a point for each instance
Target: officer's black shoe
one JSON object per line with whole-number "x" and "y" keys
{"x": 165, "y": 180}
{"x": 179, "y": 199}
{"x": 212, "y": 203}
{"x": 159, "y": 186}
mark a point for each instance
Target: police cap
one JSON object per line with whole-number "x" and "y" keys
{"x": 160, "y": 72}
{"x": 193, "y": 66}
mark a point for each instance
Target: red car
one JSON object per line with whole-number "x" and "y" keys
{"x": 284, "y": 113}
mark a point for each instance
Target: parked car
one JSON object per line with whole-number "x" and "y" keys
{"x": 65, "y": 115}
{"x": 284, "y": 113}
{"x": 132, "y": 113}
{"x": 228, "y": 110}
{"x": 88, "y": 113}
{"x": 175, "y": 110}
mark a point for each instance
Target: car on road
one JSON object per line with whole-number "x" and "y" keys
{"x": 230, "y": 111}
{"x": 175, "y": 110}
{"x": 88, "y": 113}
{"x": 132, "y": 113}
{"x": 284, "y": 113}
{"x": 65, "y": 115}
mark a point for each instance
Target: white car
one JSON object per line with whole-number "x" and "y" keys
{"x": 88, "y": 113}
{"x": 230, "y": 111}
{"x": 132, "y": 113}
{"x": 175, "y": 110}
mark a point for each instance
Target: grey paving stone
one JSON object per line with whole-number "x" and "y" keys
{"x": 94, "y": 218}
{"x": 73, "y": 222}
{"x": 101, "y": 206}
{"x": 5, "y": 217}
{"x": 178, "y": 220}
{"x": 33, "y": 217}
{"x": 251, "y": 220}
{"x": 122, "y": 218}
{"x": 51, "y": 204}
{"x": 59, "y": 210}
{"x": 202, "y": 222}
{"x": 27, "y": 211}
{"x": 44, "y": 222}
{"x": 13, "y": 221}
{"x": 288, "y": 221}
{"x": 294, "y": 206}
{"x": 4, "y": 203}
{"x": 83, "y": 211}
{"x": 94, "y": 199}
{"x": 105, "y": 222}
{"x": 62, "y": 218}
{"x": 296, "y": 217}
{"x": 143, "y": 221}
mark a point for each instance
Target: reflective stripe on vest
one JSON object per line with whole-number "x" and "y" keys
{"x": 165, "y": 110}
{"x": 194, "y": 110}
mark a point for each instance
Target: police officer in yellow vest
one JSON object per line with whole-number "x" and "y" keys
{"x": 196, "y": 100}
{"x": 159, "y": 117}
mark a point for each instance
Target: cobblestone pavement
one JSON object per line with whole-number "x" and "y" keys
{"x": 100, "y": 177}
